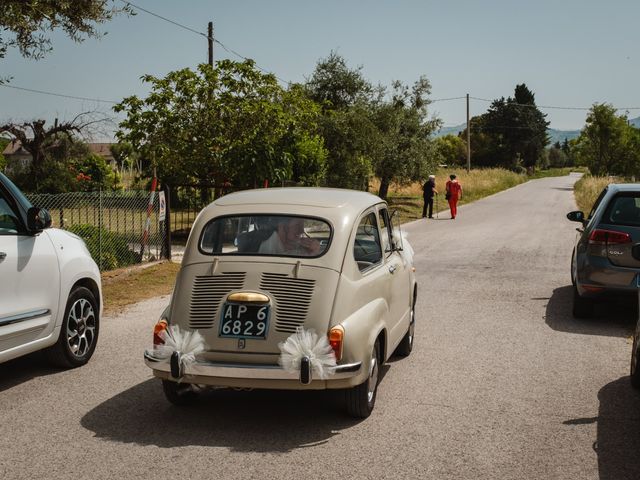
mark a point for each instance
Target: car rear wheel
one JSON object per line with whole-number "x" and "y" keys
{"x": 582, "y": 307}
{"x": 179, "y": 394}
{"x": 406, "y": 345}
{"x": 361, "y": 399}
{"x": 635, "y": 372}
{"x": 79, "y": 333}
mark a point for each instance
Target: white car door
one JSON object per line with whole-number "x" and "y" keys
{"x": 29, "y": 281}
{"x": 398, "y": 270}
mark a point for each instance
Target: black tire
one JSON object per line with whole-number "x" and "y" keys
{"x": 573, "y": 276}
{"x": 405, "y": 347}
{"x": 179, "y": 394}
{"x": 361, "y": 399}
{"x": 634, "y": 374}
{"x": 582, "y": 307}
{"x": 79, "y": 333}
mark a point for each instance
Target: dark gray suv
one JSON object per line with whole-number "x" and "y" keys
{"x": 606, "y": 257}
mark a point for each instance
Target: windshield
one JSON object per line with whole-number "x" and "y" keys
{"x": 276, "y": 235}
{"x": 17, "y": 194}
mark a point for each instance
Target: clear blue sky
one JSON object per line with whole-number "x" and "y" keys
{"x": 569, "y": 53}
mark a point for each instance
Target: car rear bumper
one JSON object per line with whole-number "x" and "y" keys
{"x": 598, "y": 277}
{"x": 252, "y": 375}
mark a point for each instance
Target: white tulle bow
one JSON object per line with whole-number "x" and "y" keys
{"x": 306, "y": 343}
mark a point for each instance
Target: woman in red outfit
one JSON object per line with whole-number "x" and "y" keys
{"x": 454, "y": 193}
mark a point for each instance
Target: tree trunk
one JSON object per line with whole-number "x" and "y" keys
{"x": 384, "y": 188}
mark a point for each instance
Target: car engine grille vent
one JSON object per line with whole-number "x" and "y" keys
{"x": 208, "y": 291}
{"x": 293, "y": 298}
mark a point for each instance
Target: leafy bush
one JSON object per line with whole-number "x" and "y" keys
{"x": 109, "y": 250}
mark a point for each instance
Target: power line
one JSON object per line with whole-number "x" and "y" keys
{"x": 193, "y": 30}
{"x": 74, "y": 97}
{"x": 551, "y": 106}
{"x": 445, "y": 99}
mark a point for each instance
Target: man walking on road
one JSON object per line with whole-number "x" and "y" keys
{"x": 429, "y": 190}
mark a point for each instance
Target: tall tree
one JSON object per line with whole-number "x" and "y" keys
{"x": 514, "y": 132}
{"x": 23, "y": 24}
{"x": 230, "y": 122}
{"x": 608, "y": 145}
{"x": 346, "y": 124}
{"x": 404, "y": 130}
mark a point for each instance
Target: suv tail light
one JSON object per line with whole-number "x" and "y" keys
{"x": 610, "y": 237}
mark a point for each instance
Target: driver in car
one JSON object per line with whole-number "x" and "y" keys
{"x": 289, "y": 238}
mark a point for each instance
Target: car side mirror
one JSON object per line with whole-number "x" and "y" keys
{"x": 38, "y": 219}
{"x": 576, "y": 216}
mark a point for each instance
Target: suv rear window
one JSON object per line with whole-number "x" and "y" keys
{"x": 270, "y": 235}
{"x": 624, "y": 209}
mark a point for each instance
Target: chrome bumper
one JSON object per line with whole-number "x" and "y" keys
{"x": 246, "y": 371}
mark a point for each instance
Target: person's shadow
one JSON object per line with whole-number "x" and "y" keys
{"x": 618, "y": 441}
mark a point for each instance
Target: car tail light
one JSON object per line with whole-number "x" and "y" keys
{"x": 610, "y": 237}
{"x": 336, "y": 337}
{"x": 160, "y": 327}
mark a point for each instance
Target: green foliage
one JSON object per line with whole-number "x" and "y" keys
{"x": 3, "y": 144}
{"x": 608, "y": 145}
{"x": 512, "y": 133}
{"x": 406, "y": 152}
{"x": 556, "y": 157}
{"x": 450, "y": 150}
{"x": 367, "y": 130}
{"x": 94, "y": 173}
{"x": 68, "y": 166}
{"x": 23, "y": 23}
{"x": 108, "y": 249}
{"x": 228, "y": 123}
{"x": 337, "y": 87}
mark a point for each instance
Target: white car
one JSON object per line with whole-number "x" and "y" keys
{"x": 50, "y": 290}
{"x": 290, "y": 288}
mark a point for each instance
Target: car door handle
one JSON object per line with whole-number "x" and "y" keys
{"x": 392, "y": 268}
{"x": 2, "y": 256}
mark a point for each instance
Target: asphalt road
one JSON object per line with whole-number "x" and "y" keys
{"x": 502, "y": 383}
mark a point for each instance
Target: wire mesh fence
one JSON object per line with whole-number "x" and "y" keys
{"x": 112, "y": 224}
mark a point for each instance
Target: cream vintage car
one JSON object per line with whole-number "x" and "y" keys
{"x": 288, "y": 288}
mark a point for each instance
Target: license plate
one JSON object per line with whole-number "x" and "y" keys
{"x": 244, "y": 321}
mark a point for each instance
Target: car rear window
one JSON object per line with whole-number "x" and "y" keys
{"x": 624, "y": 209}
{"x": 270, "y": 235}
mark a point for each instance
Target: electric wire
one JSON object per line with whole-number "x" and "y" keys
{"x": 193, "y": 30}
{"x": 551, "y": 106}
{"x": 74, "y": 97}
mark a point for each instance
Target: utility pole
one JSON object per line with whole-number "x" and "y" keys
{"x": 210, "y": 40}
{"x": 468, "y": 138}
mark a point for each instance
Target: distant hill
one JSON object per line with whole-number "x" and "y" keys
{"x": 554, "y": 135}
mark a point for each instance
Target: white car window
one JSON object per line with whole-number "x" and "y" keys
{"x": 367, "y": 248}
{"x": 9, "y": 223}
{"x": 279, "y": 235}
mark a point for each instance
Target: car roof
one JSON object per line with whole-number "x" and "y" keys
{"x": 301, "y": 196}
{"x": 624, "y": 187}
{"x": 340, "y": 208}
